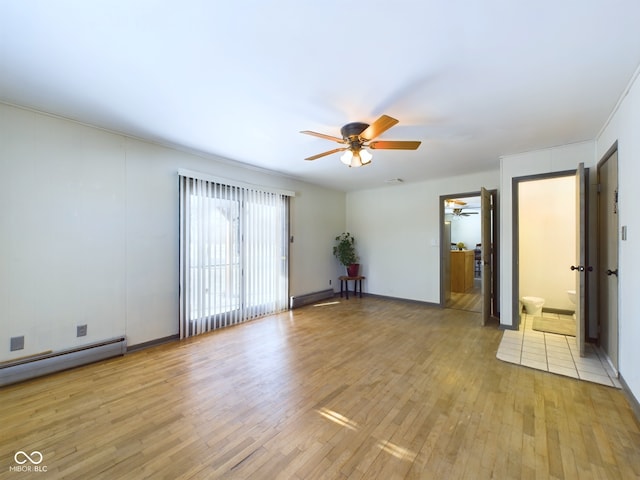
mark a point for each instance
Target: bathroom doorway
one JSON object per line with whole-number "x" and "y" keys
{"x": 468, "y": 252}
{"x": 550, "y": 268}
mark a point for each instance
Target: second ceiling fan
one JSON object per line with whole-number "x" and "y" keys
{"x": 457, "y": 212}
{"x": 358, "y": 136}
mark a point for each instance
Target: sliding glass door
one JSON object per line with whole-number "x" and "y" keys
{"x": 214, "y": 255}
{"x": 233, "y": 254}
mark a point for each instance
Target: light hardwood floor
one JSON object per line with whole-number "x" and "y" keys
{"x": 470, "y": 301}
{"x": 366, "y": 388}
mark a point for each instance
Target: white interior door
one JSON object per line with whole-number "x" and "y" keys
{"x": 580, "y": 266}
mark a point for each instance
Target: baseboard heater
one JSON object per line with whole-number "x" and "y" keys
{"x": 36, "y": 366}
{"x": 300, "y": 300}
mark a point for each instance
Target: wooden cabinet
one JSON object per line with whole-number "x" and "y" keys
{"x": 462, "y": 266}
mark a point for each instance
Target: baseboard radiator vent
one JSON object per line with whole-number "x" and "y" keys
{"x": 300, "y": 300}
{"x": 36, "y": 366}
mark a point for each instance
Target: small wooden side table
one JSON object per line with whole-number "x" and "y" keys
{"x": 344, "y": 284}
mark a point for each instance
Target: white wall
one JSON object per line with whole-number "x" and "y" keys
{"x": 555, "y": 159}
{"x": 624, "y": 127}
{"x": 397, "y": 229}
{"x": 89, "y": 232}
{"x": 317, "y": 217}
{"x": 547, "y": 240}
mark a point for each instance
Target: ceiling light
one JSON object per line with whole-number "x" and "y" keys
{"x": 356, "y": 161}
{"x": 356, "y": 157}
{"x": 346, "y": 158}
{"x": 365, "y": 156}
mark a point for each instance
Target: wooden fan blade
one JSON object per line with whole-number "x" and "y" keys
{"x": 394, "y": 145}
{"x": 381, "y": 125}
{"x": 322, "y": 135}
{"x": 326, "y": 153}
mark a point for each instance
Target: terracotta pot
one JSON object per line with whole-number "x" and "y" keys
{"x": 352, "y": 270}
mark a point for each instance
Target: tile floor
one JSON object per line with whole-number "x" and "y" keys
{"x": 554, "y": 353}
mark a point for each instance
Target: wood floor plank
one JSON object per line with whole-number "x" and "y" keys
{"x": 365, "y": 388}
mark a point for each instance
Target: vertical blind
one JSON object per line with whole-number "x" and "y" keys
{"x": 233, "y": 253}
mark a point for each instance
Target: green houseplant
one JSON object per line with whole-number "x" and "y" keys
{"x": 345, "y": 251}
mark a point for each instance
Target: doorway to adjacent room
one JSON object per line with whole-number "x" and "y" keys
{"x": 468, "y": 252}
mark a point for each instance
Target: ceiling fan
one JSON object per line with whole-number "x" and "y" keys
{"x": 356, "y": 138}
{"x": 457, "y": 212}
{"x": 454, "y": 203}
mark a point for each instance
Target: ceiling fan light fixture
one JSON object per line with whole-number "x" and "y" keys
{"x": 346, "y": 158}
{"x": 356, "y": 161}
{"x": 356, "y": 158}
{"x": 365, "y": 156}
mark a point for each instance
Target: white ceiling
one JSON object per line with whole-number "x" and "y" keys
{"x": 472, "y": 80}
{"x": 470, "y": 203}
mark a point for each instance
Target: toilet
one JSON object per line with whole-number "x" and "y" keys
{"x": 533, "y": 305}
{"x": 572, "y": 296}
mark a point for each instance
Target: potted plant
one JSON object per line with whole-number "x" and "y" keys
{"x": 460, "y": 245}
{"x": 345, "y": 251}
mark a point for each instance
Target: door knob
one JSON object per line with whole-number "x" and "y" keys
{"x": 612, "y": 272}
{"x": 580, "y": 268}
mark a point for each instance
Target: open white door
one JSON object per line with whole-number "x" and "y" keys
{"x": 486, "y": 248}
{"x": 581, "y": 257}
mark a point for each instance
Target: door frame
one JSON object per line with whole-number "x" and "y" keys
{"x": 444, "y": 249}
{"x": 515, "y": 240}
{"x": 487, "y": 276}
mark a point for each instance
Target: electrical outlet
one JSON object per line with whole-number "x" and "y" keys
{"x": 81, "y": 331}
{"x": 17, "y": 343}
